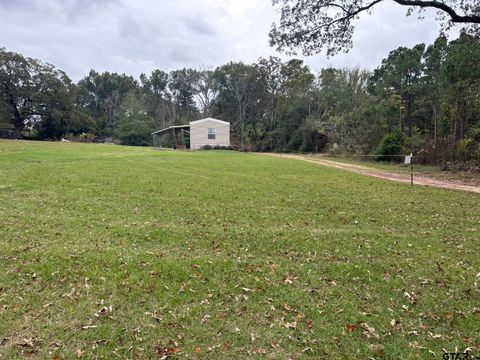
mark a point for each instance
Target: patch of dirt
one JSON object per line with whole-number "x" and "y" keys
{"x": 383, "y": 174}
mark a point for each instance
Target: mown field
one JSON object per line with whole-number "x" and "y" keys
{"x": 120, "y": 252}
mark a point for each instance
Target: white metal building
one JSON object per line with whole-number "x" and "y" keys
{"x": 202, "y": 132}
{"x": 209, "y": 131}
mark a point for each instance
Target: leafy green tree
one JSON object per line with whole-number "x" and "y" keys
{"x": 281, "y": 83}
{"x": 102, "y": 94}
{"x": 181, "y": 86}
{"x": 158, "y": 100}
{"x": 434, "y": 60}
{"x": 345, "y": 109}
{"x": 401, "y": 72}
{"x": 37, "y": 95}
{"x": 205, "y": 90}
{"x": 461, "y": 69}
{"x": 237, "y": 86}
{"x": 391, "y": 147}
{"x": 135, "y": 125}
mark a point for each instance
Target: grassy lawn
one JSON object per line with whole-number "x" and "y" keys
{"x": 121, "y": 252}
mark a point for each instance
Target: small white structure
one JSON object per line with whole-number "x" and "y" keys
{"x": 209, "y": 131}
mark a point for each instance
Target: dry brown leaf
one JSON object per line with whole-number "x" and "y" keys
{"x": 369, "y": 331}
{"x": 394, "y": 322}
{"x": 291, "y": 325}
{"x": 260, "y": 350}
{"x": 351, "y": 327}
{"x": 274, "y": 345}
{"x": 377, "y": 349}
{"x": 411, "y": 297}
{"x": 435, "y": 336}
{"x": 165, "y": 352}
{"x": 289, "y": 279}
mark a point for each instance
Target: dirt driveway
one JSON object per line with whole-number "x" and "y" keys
{"x": 382, "y": 174}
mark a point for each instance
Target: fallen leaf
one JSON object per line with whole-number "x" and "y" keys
{"x": 289, "y": 278}
{"x": 369, "y": 331}
{"x": 394, "y": 322}
{"x": 104, "y": 311}
{"x": 377, "y": 349}
{"x": 350, "y": 328}
{"x": 411, "y": 297}
{"x": 165, "y": 352}
{"x": 226, "y": 346}
{"x": 291, "y": 325}
{"x": 435, "y": 336}
{"x": 260, "y": 350}
{"x": 86, "y": 327}
{"x": 30, "y": 343}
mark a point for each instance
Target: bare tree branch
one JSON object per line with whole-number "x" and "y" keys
{"x": 313, "y": 25}
{"x": 444, "y": 7}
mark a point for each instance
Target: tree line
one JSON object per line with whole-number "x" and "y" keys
{"x": 424, "y": 99}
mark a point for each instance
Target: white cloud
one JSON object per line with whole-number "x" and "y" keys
{"x": 138, "y": 36}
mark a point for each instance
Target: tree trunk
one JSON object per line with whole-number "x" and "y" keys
{"x": 409, "y": 117}
{"x": 17, "y": 120}
{"x": 435, "y": 120}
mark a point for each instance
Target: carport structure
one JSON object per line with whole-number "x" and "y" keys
{"x": 178, "y": 133}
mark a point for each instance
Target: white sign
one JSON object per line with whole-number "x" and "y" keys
{"x": 408, "y": 158}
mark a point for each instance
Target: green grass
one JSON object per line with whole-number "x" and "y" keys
{"x": 227, "y": 255}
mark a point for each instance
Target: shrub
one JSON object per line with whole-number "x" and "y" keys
{"x": 392, "y": 144}
{"x": 83, "y": 137}
{"x": 216, "y": 147}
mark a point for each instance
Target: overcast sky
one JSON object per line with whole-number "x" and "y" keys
{"x": 135, "y": 36}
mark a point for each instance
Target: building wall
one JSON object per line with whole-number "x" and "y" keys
{"x": 199, "y": 134}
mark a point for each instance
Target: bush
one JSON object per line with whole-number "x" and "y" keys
{"x": 83, "y": 137}
{"x": 392, "y": 144}
{"x": 216, "y": 147}
{"x": 468, "y": 150}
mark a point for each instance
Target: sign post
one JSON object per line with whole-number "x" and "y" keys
{"x": 409, "y": 160}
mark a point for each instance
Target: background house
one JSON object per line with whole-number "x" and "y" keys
{"x": 209, "y": 131}
{"x": 197, "y": 134}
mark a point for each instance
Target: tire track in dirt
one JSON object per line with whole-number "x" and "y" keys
{"x": 382, "y": 174}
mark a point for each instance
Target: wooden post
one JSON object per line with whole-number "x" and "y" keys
{"x": 411, "y": 171}
{"x": 174, "y": 138}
